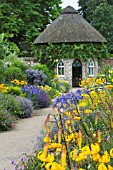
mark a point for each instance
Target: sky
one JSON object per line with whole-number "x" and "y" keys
{"x": 72, "y": 3}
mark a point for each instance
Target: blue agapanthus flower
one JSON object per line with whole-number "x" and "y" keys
{"x": 37, "y": 96}
{"x": 70, "y": 98}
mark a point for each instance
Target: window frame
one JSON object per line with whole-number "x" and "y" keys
{"x": 61, "y": 67}
{"x": 91, "y": 68}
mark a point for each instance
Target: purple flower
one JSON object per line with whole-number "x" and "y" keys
{"x": 13, "y": 163}
{"x": 37, "y": 96}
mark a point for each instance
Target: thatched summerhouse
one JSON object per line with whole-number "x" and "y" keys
{"x": 70, "y": 28}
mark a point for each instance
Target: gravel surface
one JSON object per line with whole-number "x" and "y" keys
{"x": 21, "y": 139}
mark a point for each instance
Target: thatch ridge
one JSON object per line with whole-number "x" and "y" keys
{"x": 70, "y": 27}
{"x": 69, "y": 10}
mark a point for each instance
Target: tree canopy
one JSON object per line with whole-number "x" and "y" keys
{"x": 25, "y": 19}
{"x": 100, "y": 14}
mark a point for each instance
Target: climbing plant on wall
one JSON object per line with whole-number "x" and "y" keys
{"x": 51, "y": 53}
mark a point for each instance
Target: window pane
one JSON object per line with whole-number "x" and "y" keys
{"x": 61, "y": 63}
{"x": 77, "y": 63}
{"x": 59, "y": 71}
{"x": 91, "y": 68}
{"x": 91, "y": 63}
{"x": 62, "y": 70}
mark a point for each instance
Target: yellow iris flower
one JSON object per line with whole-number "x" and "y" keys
{"x": 73, "y": 154}
{"x": 102, "y": 167}
{"x": 110, "y": 167}
{"x": 54, "y": 166}
{"x": 86, "y": 150}
{"x": 105, "y": 158}
{"x": 111, "y": 152}
{"x": 87, "y": 111}
{"x": 69, "y": 137}
{"x": 95, "y": 148}
{"x": 81, "y": 157}
{"x": 49, "y": 158}
{"x": 54, "y": 145}
{"x": 47, "y": 138}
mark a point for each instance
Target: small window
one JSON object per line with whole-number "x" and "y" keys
{"x": 60, "y": 68}
{"x": 91, "y": 68}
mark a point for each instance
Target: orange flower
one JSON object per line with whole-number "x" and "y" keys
{"x": 45, "y": 150}
{"x": 45, "y": 126}
{"x": 96, "y": 119}
{"x": 59, "y": 135}
{"x": 99, "y": 136}
{"x": 55, "y": 136}
{"x": 63, "y": 158}
{"x": 79, "y": 139}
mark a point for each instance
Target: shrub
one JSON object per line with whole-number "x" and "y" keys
{"x": 111, "y": 55}
{"x": 64, "y": 84}
{"x": 51, "y": 92}
{"x": 26, "y": 107}
{"x": 14, "y": 73}
{"x": 37, "y": 96}
{"x": 2, "y": 69}
{"x": 18, "y": 63}
{"x": 8, "y": 102}
{"x": 6, "y": 120}
{"x": 48, "y": 72}
{"x": 15, "y": 91}
{"x": 36, "y": 77}
{"x": 55, "y": 84}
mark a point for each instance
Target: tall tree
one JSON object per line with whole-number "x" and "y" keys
{"x": 103, "y": 21}
{"x": 99, "y": 13}
{"x": 25, "y": 19}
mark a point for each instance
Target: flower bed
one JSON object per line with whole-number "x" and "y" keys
{"x": 83, "y": 138}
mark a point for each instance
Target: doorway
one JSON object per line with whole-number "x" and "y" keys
{"x": 76, "y": 73}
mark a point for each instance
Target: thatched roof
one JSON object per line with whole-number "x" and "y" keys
{"x": 69, "y": 27}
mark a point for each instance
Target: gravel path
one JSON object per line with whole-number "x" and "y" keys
{"x": 22, "y": 139}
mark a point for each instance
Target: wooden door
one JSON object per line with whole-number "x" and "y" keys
{"x": 76, "y": 73}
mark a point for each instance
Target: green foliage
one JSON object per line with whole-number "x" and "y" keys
{"x": 15, "y": 91}
{"x": 2, "y": 70}
{"x": 8, "y": 56}
{"x": 14, "y": 73}
{"x": 111, "y": 55}
{"x": 65, "y": 85}
{"x": 32, "y": 162}
{"x": 67, "y": 51}
{"x": 104, "y": 23}
{"x": 6, "y": 46}
{"x": 100, "y": 14}
{"x": 6, "y": 120}
{"x": 18, "y": 63}
{"x": 9, "y": 103}
{"x": 26, "y": 19}
{"x": 105, "y": 69}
